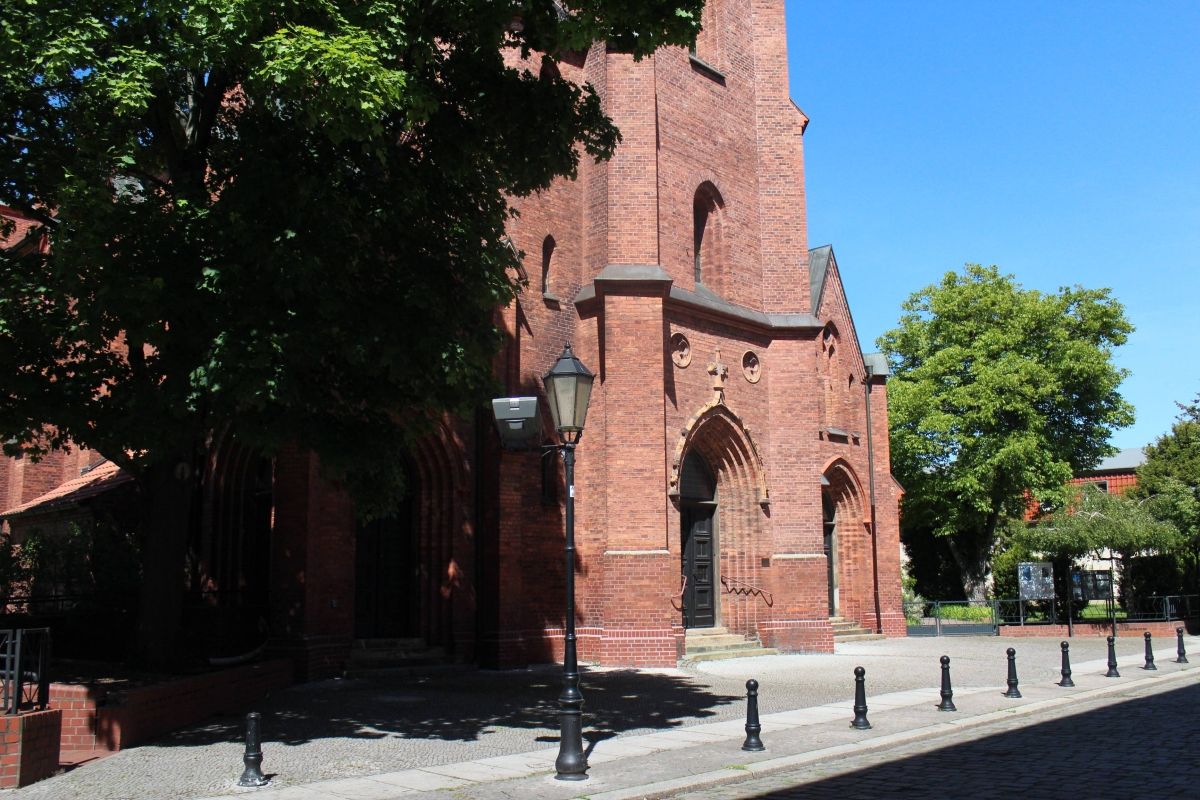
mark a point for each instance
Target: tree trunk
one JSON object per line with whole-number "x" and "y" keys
{"x": 168, "y": 493}
{"x": 971, "y": 569}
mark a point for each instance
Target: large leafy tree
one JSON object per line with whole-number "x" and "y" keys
{"x": 1169, "y": 481}
{"x": 998, "y": 393}
{"x": 282, "y": 219}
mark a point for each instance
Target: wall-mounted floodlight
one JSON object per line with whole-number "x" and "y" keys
{"x": 518, "y": 422}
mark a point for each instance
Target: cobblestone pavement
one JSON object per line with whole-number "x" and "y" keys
{"x": 1115, "y": 747}
{"x": 357, "y": 728}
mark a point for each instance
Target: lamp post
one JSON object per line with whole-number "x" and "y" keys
{"x": 568, "y": 390}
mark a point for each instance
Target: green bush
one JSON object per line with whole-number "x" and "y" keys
{"x": 913, "y": 602}
{"x": 967, "y": 613}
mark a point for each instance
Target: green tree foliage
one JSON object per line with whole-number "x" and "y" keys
{"x": 998, "y": 393}
{"x": 290, "y": 217}
{"x": 1170, "y": 482}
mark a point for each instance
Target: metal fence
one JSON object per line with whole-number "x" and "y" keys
{"x": 961, "y": 617}
{"x": 951, "y": 618}
{"x": 1162, "y": 607}
{"x": 24, "y": 674}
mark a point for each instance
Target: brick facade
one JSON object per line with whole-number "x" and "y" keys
{"x": 771, "y": 391}
{"x": 680, "y": 272}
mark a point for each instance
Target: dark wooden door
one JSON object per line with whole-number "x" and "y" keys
{"x": 699, "y": 595}
{"x": 831, "y": 554}
{"x": 386, "y": 578}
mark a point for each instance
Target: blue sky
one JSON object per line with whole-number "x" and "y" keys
{"x": 1059, "y": 141}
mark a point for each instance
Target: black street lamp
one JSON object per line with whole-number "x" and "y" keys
{"x": 568, "y": 390}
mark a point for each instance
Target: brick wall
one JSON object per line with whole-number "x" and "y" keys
{"x": 95, "y": 719}
{"x": 29, "y": 747}
{"x": 1161, "y": 629}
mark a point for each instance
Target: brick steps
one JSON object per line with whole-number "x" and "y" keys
{"x": 845, "y": 630}
{"x": 718, "y": 644}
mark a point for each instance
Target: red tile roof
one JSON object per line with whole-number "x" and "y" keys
{"x": 96, "y": 481}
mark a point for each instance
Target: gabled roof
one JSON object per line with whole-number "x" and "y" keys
{"x": 96, "y": 481}
{"x": 818, "y": 268}
{"x": 1126, "y": 460}
{"x": 877, "y": 363}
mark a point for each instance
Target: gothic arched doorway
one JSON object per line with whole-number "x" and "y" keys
{"x": 846, "y": 544}
{"x": 698, "y": 531}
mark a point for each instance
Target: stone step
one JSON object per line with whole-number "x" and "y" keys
{"x": 408, "y": 670}
{"x": 721, "y": 655}
{"x": 387, "y": 658}
{"x": 866, "y": 636}
{"x": 716, "y": 643}
{"x": 389, "y": 644}
{"x": 393, "y": 653}
{"x": 692, "y": 633}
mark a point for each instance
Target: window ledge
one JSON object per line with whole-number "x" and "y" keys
{"x": 700, "y": 65}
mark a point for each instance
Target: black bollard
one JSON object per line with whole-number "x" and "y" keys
{"x": 753, "y": 728}
{"x": 1149, "y": 653}
{"x": 947, "y": 703}
{"x": 1182, "y": 659}
{"x": 860, "y": 701}
{"x": 1013, "y": 691}
{"x": 1066, "y": 681}
{"x": 1112, "y": 659}
{"x": 252, "y": 774}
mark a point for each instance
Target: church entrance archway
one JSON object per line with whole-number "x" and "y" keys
{"x": 698, "y": 531}
{"x": 845, "y": 533}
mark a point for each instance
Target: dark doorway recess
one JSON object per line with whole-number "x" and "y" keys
{"x": 387, "y": 583}
{"x": 698, "y": 518}
{"x": 829, "y": 515}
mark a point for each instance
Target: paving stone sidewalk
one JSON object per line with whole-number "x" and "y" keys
{"x": 481, "y": 734}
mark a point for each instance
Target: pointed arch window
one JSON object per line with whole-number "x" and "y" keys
{"x": 707, "y": 235}
{"x": 548, "y": 245}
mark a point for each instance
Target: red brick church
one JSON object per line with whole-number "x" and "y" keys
{"x": 734, "y": 471}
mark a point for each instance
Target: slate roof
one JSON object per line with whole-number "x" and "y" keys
{"x": 1126, "y": 460}
{"x": 818, "y": 268}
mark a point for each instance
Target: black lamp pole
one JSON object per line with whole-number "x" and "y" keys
{"x": 571, "y": 763}
{"x": 568, "y": 389}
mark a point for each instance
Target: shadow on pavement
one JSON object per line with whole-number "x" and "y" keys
{"x": 1144, "y": 747}
{"x": 461, "y": 706}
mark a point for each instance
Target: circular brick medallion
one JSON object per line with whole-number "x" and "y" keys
{"x": 681, "y": 350}
{"x": 751, "y": 366}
